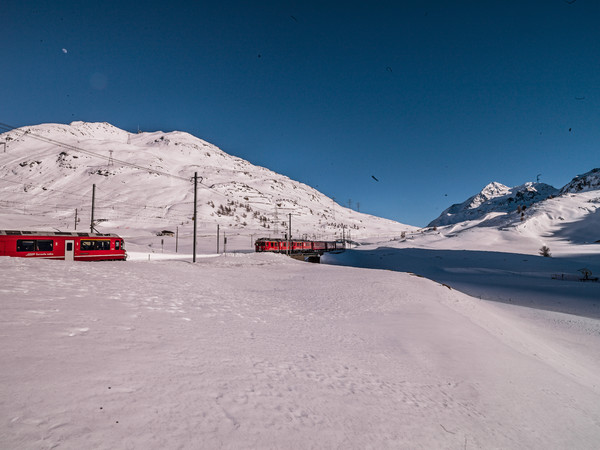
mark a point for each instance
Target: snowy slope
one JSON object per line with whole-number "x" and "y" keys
{"x": 155, "y": 355}
{"x": 48, "y": 171}
{"x": 587, "y": 182}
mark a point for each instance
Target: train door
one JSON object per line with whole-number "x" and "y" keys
{"x": 69, "y": 250}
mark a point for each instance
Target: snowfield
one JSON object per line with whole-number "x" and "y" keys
{"x": 262, "y": 351}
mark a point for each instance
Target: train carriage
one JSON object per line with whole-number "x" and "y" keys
{"x": 62, "y": 245}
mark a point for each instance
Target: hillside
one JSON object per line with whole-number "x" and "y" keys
{"x": 144, "y": 182}
{"x": 525, "y": 217}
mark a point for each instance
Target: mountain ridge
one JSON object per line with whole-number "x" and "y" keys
{"x": 498, "y": 198}
{"x": 146, "y": 178}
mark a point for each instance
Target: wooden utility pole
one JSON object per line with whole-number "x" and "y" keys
{"x": 289, "y": 233}
{"x": 218, "y": 239}
{"x": 75, "y": 219}
{"x": 93, "y": 205}
{"x": 195, "y": 211}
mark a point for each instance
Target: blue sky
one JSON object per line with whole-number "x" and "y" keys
{"x": 433, "y": 98}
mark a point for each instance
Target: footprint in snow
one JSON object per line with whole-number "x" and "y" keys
{"x": 77, "y": 331}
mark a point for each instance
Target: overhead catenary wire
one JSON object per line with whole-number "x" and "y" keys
{"x": 107, "y": 203}
{"x": 108, "y": 207}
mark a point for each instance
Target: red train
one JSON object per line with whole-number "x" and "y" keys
{"x": 296, "y": 246}
{"x": 62, "y": 245}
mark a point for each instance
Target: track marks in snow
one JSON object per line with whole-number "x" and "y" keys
{"x": 76, "y": 331}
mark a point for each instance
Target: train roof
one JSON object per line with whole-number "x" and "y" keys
{"x": 264, "y": 239}
{"x": 54, "y": 233}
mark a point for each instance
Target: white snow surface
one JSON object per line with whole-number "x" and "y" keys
{"x": 461, "y": 337}
{"x": 262, "y": 351}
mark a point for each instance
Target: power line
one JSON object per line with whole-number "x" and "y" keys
{"x": 110, "y": 159}
{"x": 7, "y": 128}
{"x": 88, "y": 152}
{"x": 33, "y": 185}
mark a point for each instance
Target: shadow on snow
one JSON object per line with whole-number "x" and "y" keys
{"x": 524, "y": 280}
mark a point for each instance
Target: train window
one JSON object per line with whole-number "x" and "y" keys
{"x": 87, "y": 245}
{"x": 25, "y": 246}
{"x": 31, "y": 245}
{"x": 117, "y": 245}
{"x": 44, "y": 246}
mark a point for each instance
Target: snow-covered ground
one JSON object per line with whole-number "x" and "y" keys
{"x": 262, "y": 351}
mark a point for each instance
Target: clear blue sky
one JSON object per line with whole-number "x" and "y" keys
{"x": 434, "y": 98}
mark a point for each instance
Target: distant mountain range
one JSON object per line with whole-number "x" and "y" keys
{"x": 570, "y": 214}
{"x": 497, "y": 198}
{"x": 494, "y": 198}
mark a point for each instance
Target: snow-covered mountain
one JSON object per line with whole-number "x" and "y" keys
{"x": 144, "y": 181}
{"x": 587, "y": 182}
{"x": 495, "y": 198}
{"x": 526, "y": 216}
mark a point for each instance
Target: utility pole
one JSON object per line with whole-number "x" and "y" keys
{"x": 218, "y": 239}
{"x": 176, "y": 239}
{"x": 289, "y": 233}
{"x": 195, "y": 211}
{"x": 93, "y": 205}
{"x": 75, "y": 219}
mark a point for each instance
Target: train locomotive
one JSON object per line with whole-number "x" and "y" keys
{"x": 62, "y": 245}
